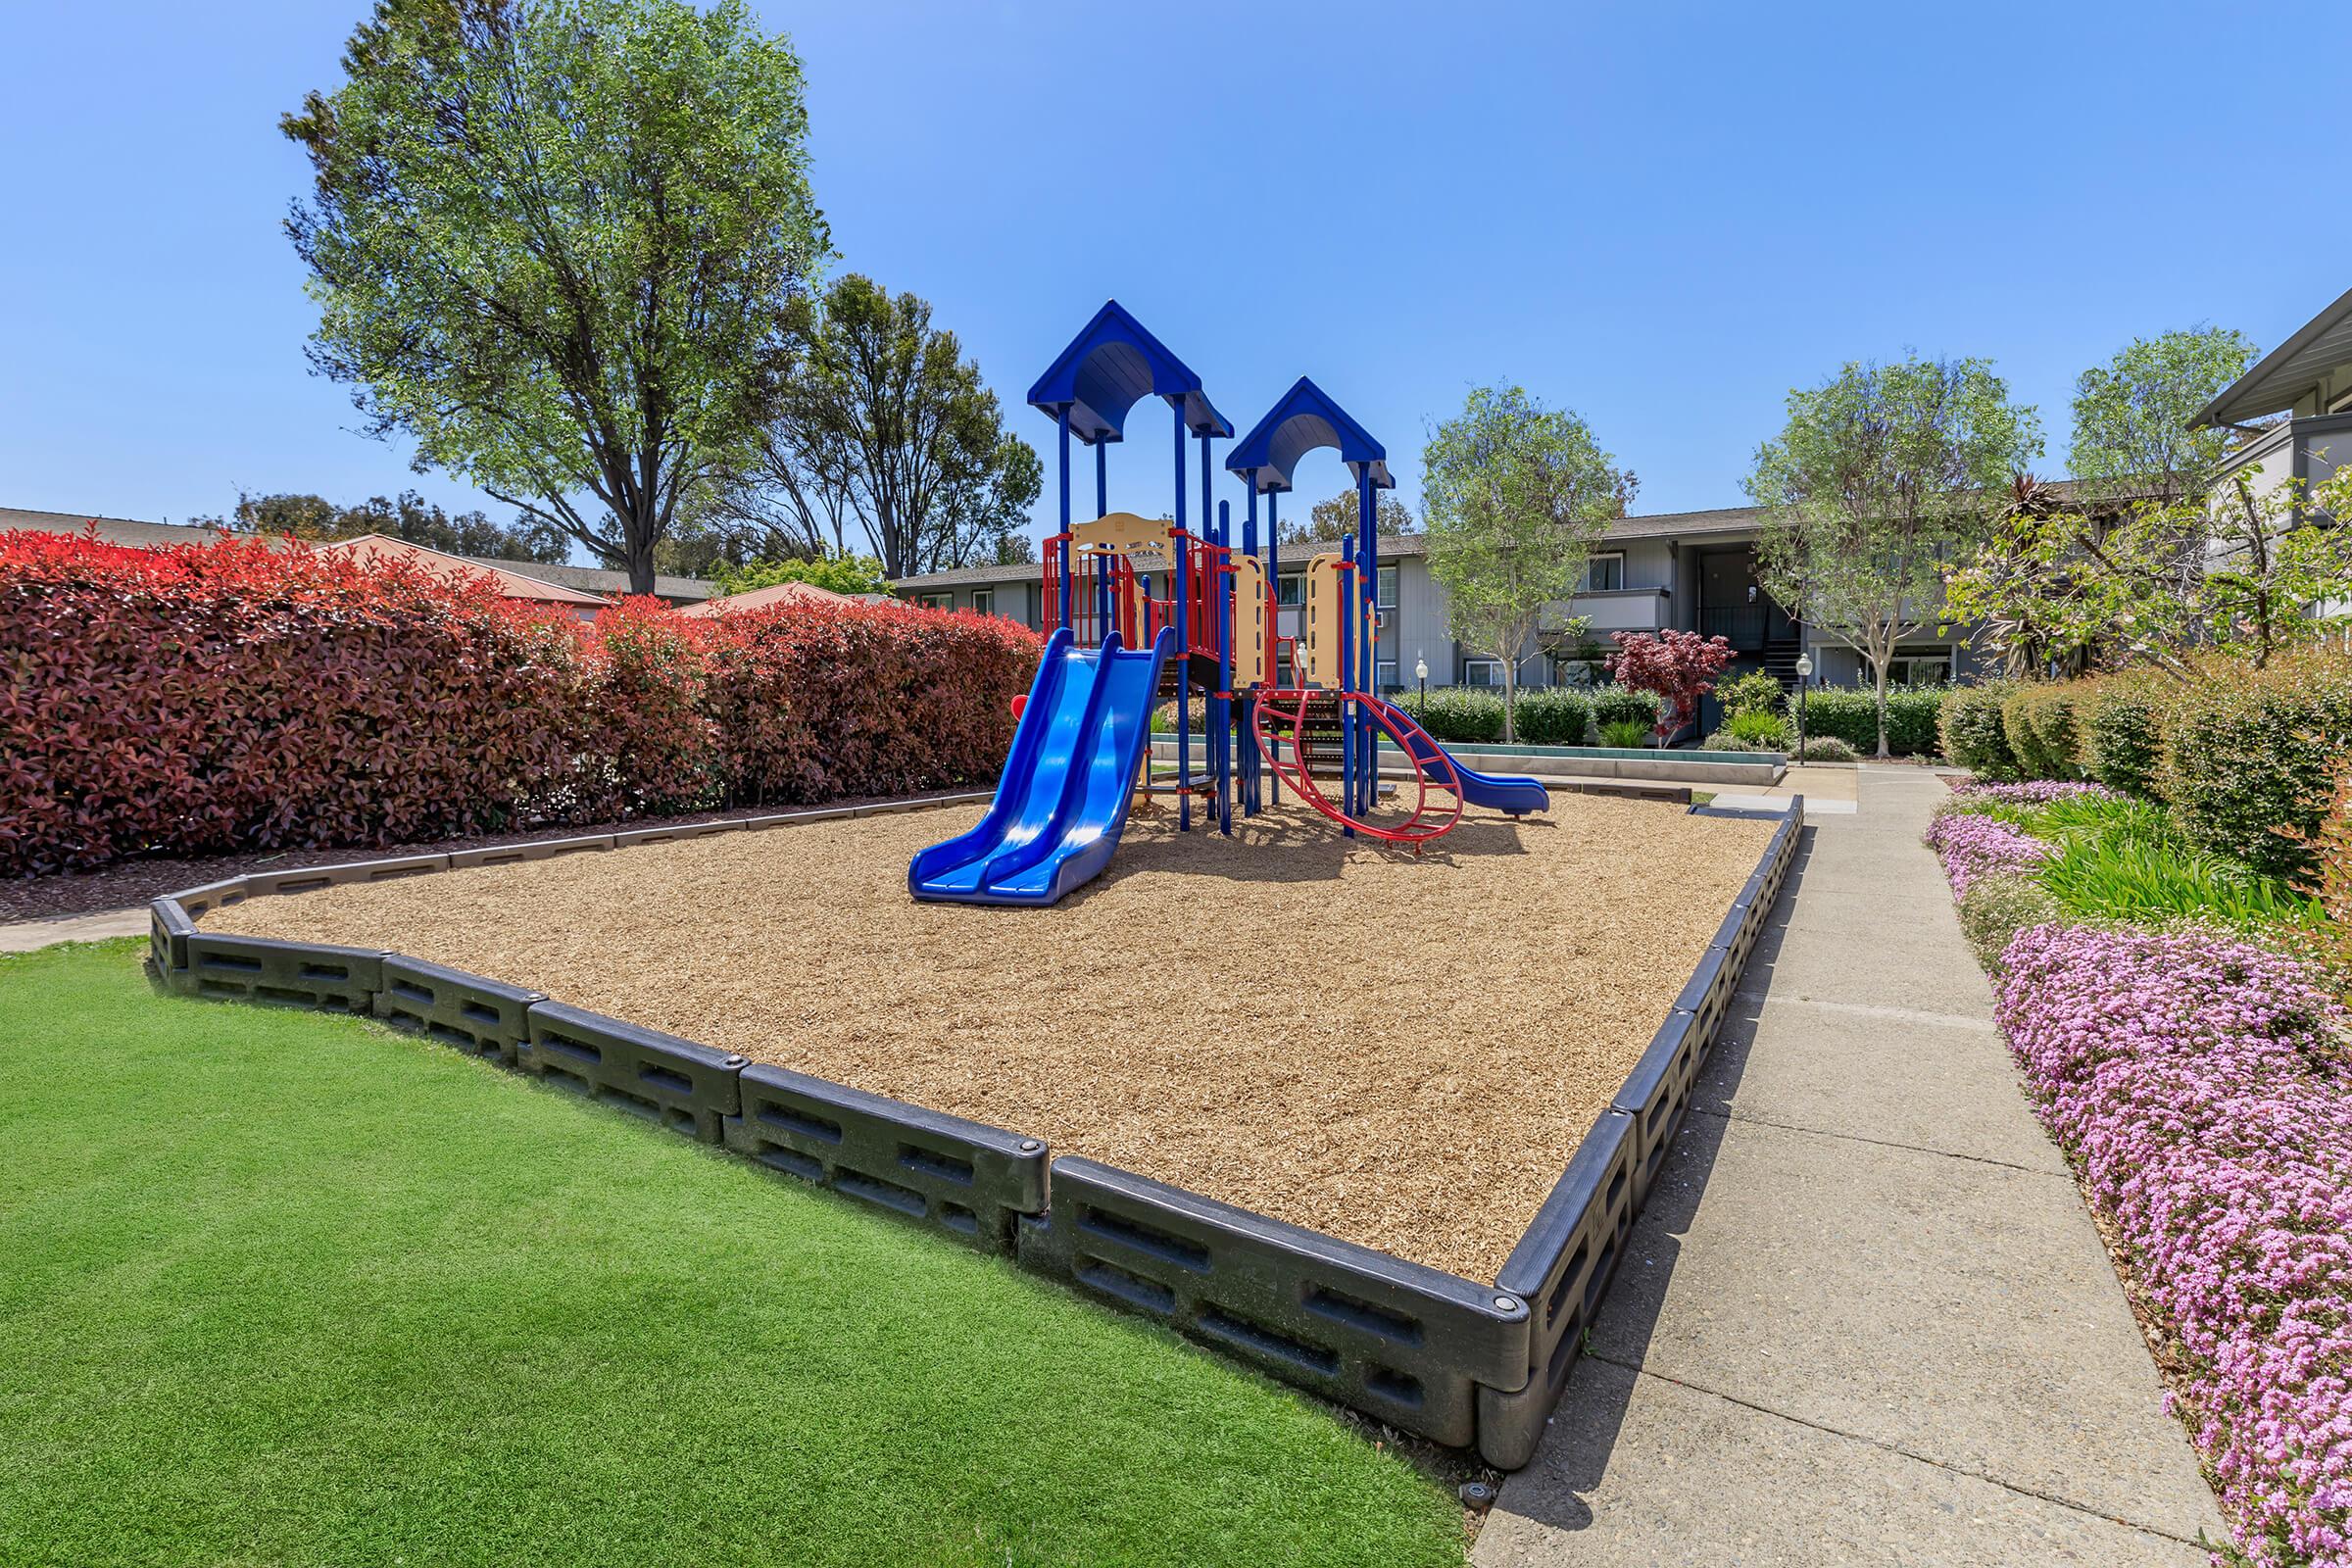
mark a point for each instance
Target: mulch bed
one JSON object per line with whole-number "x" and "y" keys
{"x": 1400, "y": 1052}
{"x": 131, "y": 883}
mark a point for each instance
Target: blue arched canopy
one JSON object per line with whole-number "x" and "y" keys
{"x": 1303, "y": 420}
{"x": 1110, "y": 367}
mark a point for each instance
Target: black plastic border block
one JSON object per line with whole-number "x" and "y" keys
{"x": 536, "y": 850}
{"x": 1560, "y": 1268}
{"x": 665, "y": 835}
{"x": 197, "y": 903}
{"x": 480, "y": 1016}
{"x": 1402, "y": 1342}
{"x": 168, "y": 931}
{"x": 965, "y": 1178}
{"x": 310, "y": 878}
{"x": 687, "y": 1088}
{"x": 297, "y": 974}
{"x": 1657, "y": 1093}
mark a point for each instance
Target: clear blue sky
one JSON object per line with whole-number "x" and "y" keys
{"x": 1663, "y": 215}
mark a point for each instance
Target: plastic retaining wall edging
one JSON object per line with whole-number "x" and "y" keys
{"x": 1429, "y": 1352}
{"x": 1402, "y": 1342}
{"x": 967, "y": 1179}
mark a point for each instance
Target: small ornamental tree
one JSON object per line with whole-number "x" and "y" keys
{"x": 1681, "y": 667}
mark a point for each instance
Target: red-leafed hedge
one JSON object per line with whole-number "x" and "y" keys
{"x": 233, "y": 696}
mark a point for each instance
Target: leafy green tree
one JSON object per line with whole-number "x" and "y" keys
{"x": 1334, "y": 520}
{"x": 885, "y": 438}
{"x": 2133, "y": 441}
{"x": 408, "y": 515}
{"x": 550, "y": 241}
{"x": 1884, "y": 477}
{"x": 1515, "y": 494}
{"x": 841, "y": 574}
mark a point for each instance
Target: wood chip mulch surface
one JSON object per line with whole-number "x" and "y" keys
{"x": 1400, "y": 1053}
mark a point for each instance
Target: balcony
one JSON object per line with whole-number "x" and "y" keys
{"x": 1609, "y": 609}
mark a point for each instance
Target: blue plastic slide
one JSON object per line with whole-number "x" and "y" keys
{"x": 1062, "y": 802}
{"x": 1515, "y": 793}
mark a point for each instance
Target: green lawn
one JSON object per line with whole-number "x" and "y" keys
{"x": 284, "y": 1289}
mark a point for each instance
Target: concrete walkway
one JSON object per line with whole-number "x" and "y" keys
{"x": 1865, "y": 1317}
{"x": 24, "y": 936}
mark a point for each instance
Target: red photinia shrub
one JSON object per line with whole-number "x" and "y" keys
{"x": 1681, "y": 667}
{"x": 239, "y": 696}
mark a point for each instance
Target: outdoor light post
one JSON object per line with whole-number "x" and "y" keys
{"x": 1804, "y": 678}
{"x": 1421, "y": 674}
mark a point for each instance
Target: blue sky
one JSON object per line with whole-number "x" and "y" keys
{"x": 1663, "y": 215}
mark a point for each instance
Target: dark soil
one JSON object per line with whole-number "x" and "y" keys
{"x": 130, "y": 883}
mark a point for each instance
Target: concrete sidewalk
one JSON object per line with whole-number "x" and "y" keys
{"x": 25, "y": 936}
{"x": 1864, "y": 1318}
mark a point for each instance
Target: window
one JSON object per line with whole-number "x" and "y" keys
{"x": 1386, "y": 592}
{"x": 1482, "y": 672}
{"x": 936, "y": 601}
{"x": 1605, "y": 572}
{"x": 1916, "y": 666}
{"x": 1288, "y": 595}
{"x": 1580, "y": 672}
{"x": 984, "y": 601}
{"x": 1384, "y": 675}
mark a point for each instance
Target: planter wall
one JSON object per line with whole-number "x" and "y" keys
{"x": 1456, "y": 1361}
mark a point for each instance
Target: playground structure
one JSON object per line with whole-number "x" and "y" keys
{"x": 1142, "y": 612}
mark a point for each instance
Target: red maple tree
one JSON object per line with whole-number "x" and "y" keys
{"x": 1681, "y": 667}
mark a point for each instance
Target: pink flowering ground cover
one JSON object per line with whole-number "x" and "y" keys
{"x": 1975, "y": 846}
{"x": 2037, "y": 792}
{"x": 2201, "y": 1086}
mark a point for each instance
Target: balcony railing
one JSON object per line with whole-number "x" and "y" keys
{"x": 1609, "y": 609}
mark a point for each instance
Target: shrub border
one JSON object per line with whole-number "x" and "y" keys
{"x": 1452, "y": 1359}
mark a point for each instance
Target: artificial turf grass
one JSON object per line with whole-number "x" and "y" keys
{"x": 291, "y": 1289}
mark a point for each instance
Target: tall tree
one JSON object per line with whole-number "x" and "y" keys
{"x": 408, "y": 515}
{"x": 1884, "y": 477}
{"x": 1515, "y": 494}
{"x": 549, "y": 241}
{"x": 2132, "y": 442}
{"x": 886, "y": 441}
{"x": 1334, "y": 520}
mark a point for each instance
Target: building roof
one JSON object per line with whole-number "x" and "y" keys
{"x": 599, "y": 580}
{"x": 783, "y": 593}
{"x": 2281, "y": 377}
{"x": 511, "y": 584}
{"x": 113, "y": 530}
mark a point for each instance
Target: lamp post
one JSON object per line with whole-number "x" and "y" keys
{"x": 1804, "y": 678}
{"x": 1421, "y": 674}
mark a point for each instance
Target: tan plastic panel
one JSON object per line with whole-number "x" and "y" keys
{"x": 1318, "y": 652}
{"x": 1250, "y": 610}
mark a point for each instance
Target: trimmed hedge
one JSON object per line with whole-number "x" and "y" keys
{"x": 1555, "y": 716}
{"x": 2247, "y": 753}
{"x": 1464, "y": 715}
{"x": 2038, "y": 723}
{"x": 1618, "y": 705}
{"x": 1972, "y": 733}
{"x": 1852, "y": 716}
{"x": 232, "y": 696}
{"x": 2120, "y": 728}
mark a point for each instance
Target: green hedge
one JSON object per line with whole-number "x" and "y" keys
{"x": 1972, "y": 733}
{"x": 2120, "y": 727}
{"x": 1756, "y": 691}
{"x": 1618, "y": 705}
{"x": 1555, "y": 716}
{"x": 1459, "y": 714}
{"x": 1852, "y": 716}
{"x": 2247, "y": 753}
{"x": 2038, "y": 723}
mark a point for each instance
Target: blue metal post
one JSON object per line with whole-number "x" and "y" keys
{"x": 1220, "y": 710}
{"x": 1101, "y": 476}
{"x": 1183, "y": 654}
{"x": 1349, "y": 760}
{"x": 1062, "y": 419}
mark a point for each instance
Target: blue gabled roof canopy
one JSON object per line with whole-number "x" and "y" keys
{"x": 1303, "y": 420}
{"x": 1112, "y": 365}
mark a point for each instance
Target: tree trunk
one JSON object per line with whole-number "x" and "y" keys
{"x": 638, "y": 537}
{"x": 1880, "y": 667}
{"x": 1510, "y": 679}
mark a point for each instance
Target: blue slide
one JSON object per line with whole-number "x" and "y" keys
{"x": 1515, "y": 793}
{"x": 1062, "y": 802}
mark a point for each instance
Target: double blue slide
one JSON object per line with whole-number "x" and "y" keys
{"x": 1062, "y": 802}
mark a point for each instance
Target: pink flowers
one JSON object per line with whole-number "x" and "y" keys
{"x": 2201, "y": 1085}
{"x": 2041, "y": 792}
{"x": 1974, "y": 846}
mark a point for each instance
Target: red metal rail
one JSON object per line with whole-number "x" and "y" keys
{"x": 1418, "y": 828}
